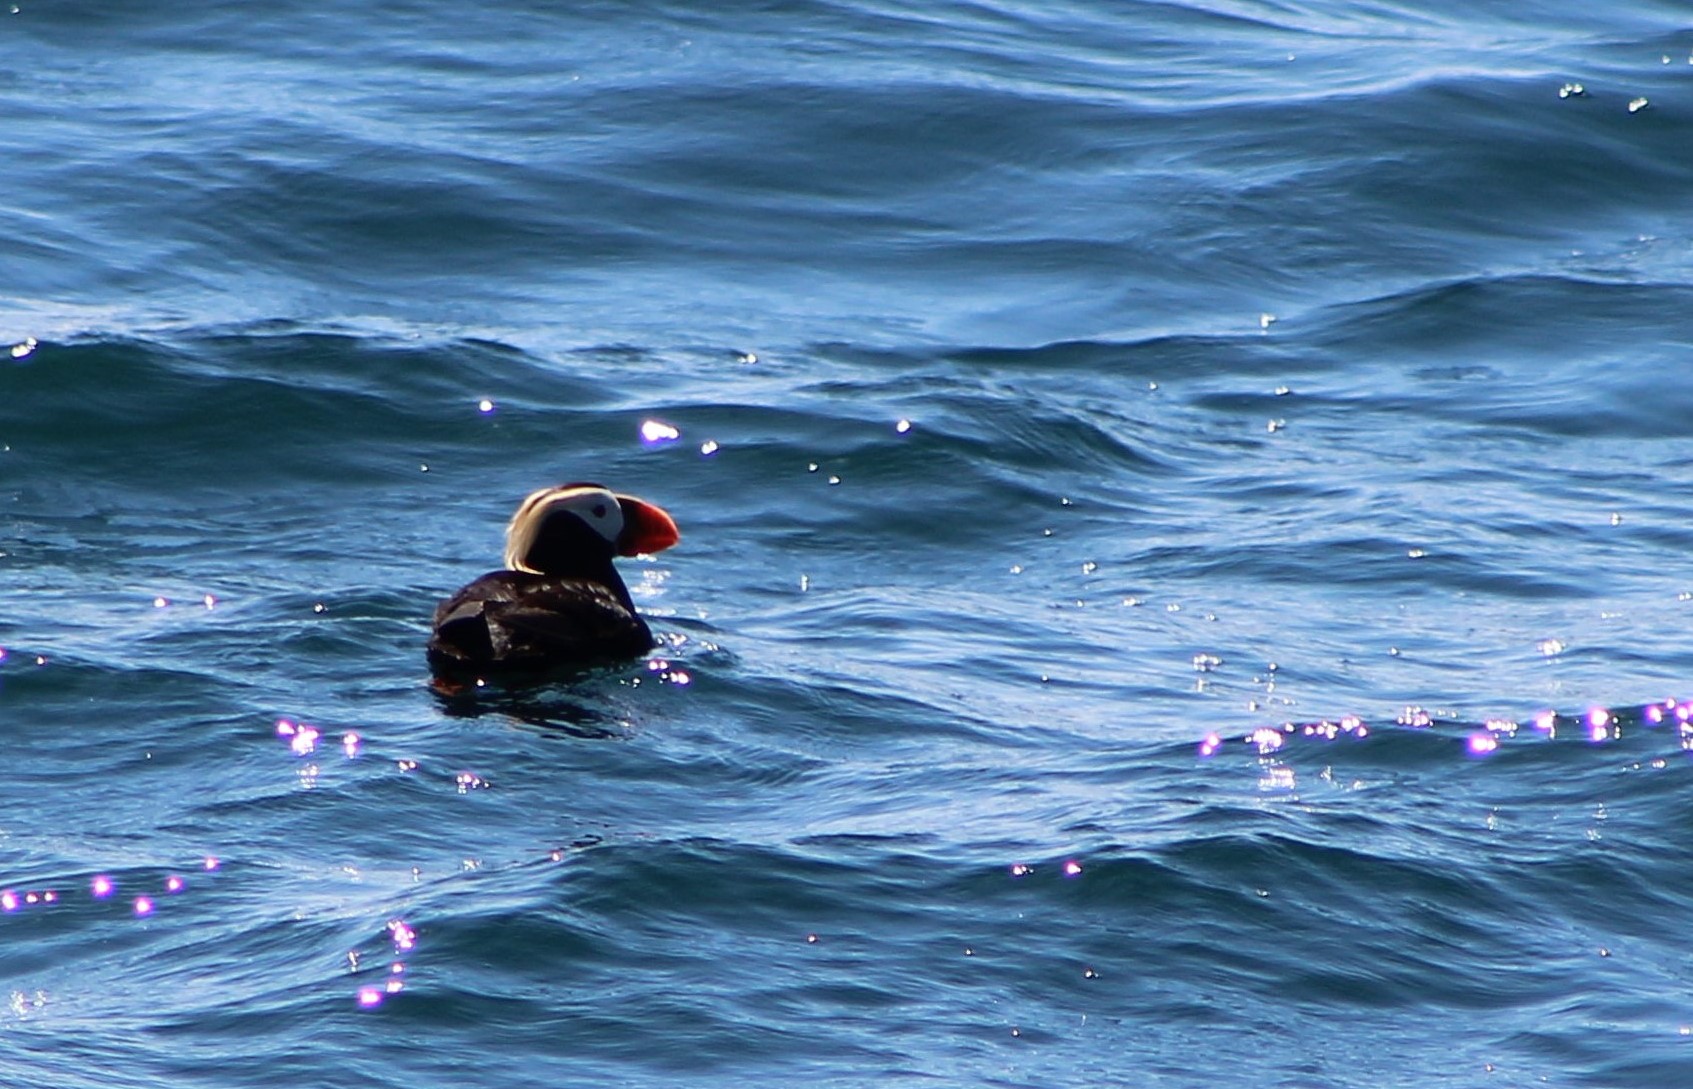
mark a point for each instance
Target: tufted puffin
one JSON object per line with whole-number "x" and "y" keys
{"x": 559, "y": 601}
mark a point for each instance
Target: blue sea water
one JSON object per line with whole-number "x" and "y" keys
{"x": 1185, "y": 574}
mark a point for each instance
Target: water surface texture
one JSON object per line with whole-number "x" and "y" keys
{"x": 1186, "y": 571}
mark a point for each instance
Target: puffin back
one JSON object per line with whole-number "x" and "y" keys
{"x": 516, "y": 619}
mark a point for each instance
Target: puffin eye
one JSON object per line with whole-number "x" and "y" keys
{"x": 599, "y": 510}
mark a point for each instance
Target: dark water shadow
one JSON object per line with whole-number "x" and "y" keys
{"x": 560, "y": 703}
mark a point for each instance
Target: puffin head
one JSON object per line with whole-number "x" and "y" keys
{"x": 569, "y": 528}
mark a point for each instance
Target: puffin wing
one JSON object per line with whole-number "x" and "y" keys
{"x": 512, "y": 618}
{"x": 461, "y": 632}
{"x": 569, "y": 619}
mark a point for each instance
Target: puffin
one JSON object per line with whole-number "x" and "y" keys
{"x": 559, "y": 601}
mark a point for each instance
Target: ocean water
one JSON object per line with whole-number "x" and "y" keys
{"x": 1186, "y": 576}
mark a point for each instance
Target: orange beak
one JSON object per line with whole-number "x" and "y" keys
{"x": 646, "y": 529}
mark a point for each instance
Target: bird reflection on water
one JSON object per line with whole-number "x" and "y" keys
{"x": 552, "y": 707}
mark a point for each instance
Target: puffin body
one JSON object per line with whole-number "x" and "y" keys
{"x": 559, "y": 601}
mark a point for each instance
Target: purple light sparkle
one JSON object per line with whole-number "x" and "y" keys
{"x": 8, "y": 901}
{"x": 404, "y": 937}
{"x": 102, "y": 887}
{"x": 174, "y": 884}
{"x": 370, "y": 997}
{"x": 654, "y": 432}
{"x": 1481, "y": 744}
{"x": 143, "y": 905}
{"x": 1504, "y": 726}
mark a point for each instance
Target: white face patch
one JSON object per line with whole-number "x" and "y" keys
{"x": 594, "y": 505}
